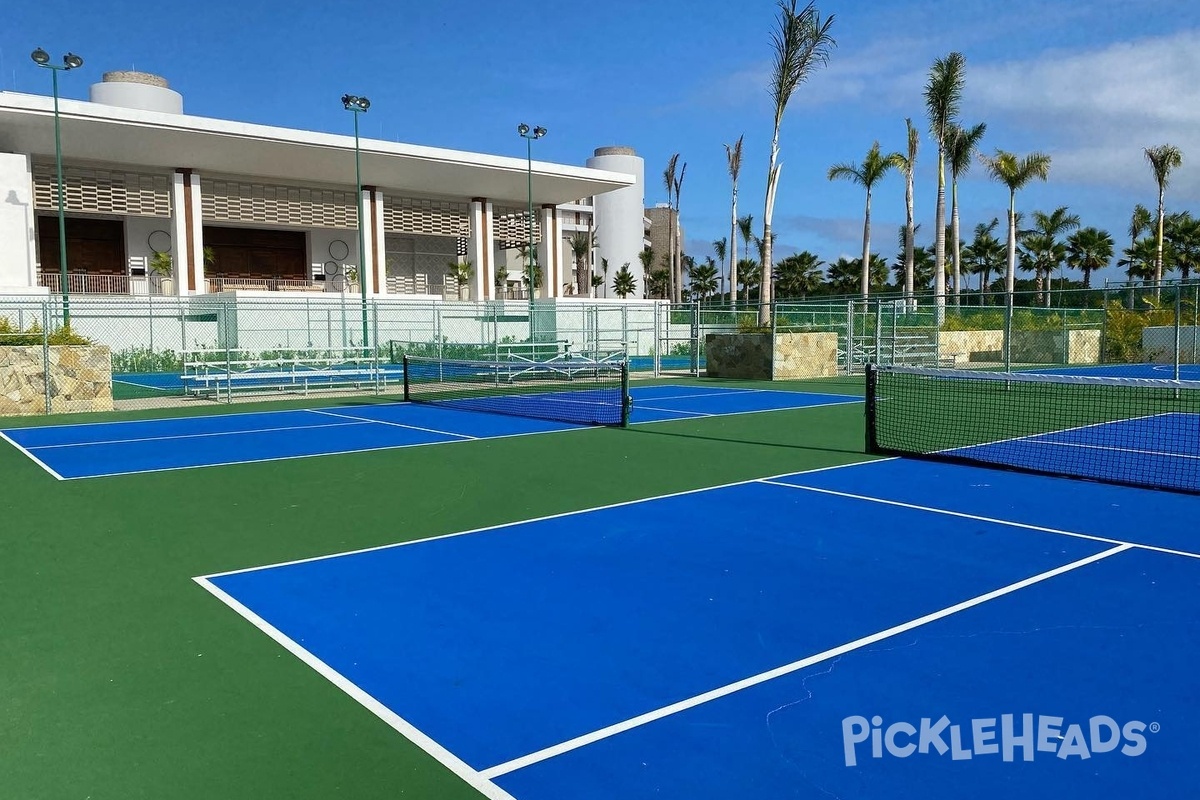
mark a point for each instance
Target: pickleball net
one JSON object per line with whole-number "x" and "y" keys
{"x": 580, "y": 392}
{"x": 1119, "y": 430}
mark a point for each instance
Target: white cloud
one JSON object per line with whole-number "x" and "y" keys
{"x": 1096, "y": 110}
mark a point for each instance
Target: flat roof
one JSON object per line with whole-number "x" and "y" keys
{"x": 136, "y": 139}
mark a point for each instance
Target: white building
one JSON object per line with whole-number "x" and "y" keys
{"x": 235, "y": 207}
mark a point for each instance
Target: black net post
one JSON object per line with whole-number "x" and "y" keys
{"x": 406, "y": 384}
{"x": 872, "y": 378}
{"x": 626, "y": 399}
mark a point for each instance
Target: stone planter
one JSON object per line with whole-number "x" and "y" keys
{"x": 79, "y": 378}
{"x": 759, "y": 356}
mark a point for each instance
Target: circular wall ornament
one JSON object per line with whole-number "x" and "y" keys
{"x": 338, "y": 249}
{"x": 159, "y": 242}
{"x": 332, "y": 268}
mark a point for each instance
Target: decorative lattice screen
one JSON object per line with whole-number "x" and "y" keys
{"x": 103, "y": 191}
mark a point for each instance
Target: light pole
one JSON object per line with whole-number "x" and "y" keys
{"x": 529, "y": 135}
{"x": 359, "y": 105}
{"x": 70, "y": 61}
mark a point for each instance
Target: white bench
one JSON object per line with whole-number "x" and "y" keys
{"x": 210, "y": 373}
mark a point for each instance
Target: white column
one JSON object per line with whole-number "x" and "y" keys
{"x": 550, "y": 254}
{"x": 197, "y": 234}
{"x": 187, "y": 245}
{"x": 481, "y": 249}
{"x": 18, "y": 228}
{"x": 377, "y": 243}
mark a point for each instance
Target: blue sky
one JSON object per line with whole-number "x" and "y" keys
{"x": 1091, "y": 83}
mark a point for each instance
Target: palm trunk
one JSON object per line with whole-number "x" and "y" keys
{"x": 954, "y": 236}
{"x": 866, "y": 256}
{"x": 764, "y": 287}
{"x": 909, "y": 235}
{"x": 1010, "y": 275}
{"x": 733, "y": 252}
{"x": 1158, "y": 258}
{"x": 939, "y": 233}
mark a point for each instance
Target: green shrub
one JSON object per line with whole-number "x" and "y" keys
{"x": 12, "y": 335}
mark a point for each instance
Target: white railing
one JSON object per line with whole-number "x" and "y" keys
{"x": 264, "y": 284}
{"x": 84, "y": 283}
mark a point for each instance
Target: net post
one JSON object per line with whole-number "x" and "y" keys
{"x": 406, "y": 392}
{"x": 872, "y": 443}
{"x": 626, "y": 400}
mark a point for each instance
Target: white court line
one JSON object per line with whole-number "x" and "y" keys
{"x": 560, "y": 515}
{"x": 323, "y": 454}
{"x": 640, "y": 407}
{"x": 456, "y": 765}
{"x": 722, "y": 393}
{"x": 197, "y": 435}
{"x": 393, "y": 424}
{"x": 700, "y": 699}
{"x": 980, "y": 518}
{"x": 1051, "y": 442}
{"x": 850, "y": 400}
{"x": 32, "y": 457}
{"x": 1032, "y": 436}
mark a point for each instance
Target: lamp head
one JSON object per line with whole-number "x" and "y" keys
{"x": 354, "y": 103}
{"x": 72, "y": 61}
{"x": 539, "y": 132}
{"x": 40, "y": 57}
{"x": 523, "y": 129}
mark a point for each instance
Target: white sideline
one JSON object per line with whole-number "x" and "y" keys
{"x": 393, "y": 424}
{"x": 456, "y": 765}
{"x": 754, "y": 680}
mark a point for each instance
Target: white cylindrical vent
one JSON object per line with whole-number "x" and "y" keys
{"x": 139, "y": 90}
{"x": 619, "y": 214}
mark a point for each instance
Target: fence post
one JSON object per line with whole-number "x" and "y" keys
{"x": 696, "y": 337}
{"x": 375, "y": 370}
{"x": 1178, "y": 319}
{"x": 658, "y": 337}
{"x": 46, "y": 357}
{"x": 1008, "y": 332}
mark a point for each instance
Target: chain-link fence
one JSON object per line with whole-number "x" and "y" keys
{"x": 123, "y": 353}
{"x": 1134, "y": 330}
{"x": 147, "y": 351}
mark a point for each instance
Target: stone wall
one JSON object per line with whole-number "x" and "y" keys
{"x": 80, "y": 380}
{"x": 754, "y": 356}
{"x": 965, "y": 346}
{"x": 1055, "y": 347}
{"x": 805, "y": 355}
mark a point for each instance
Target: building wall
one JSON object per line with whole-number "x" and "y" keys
{"x": 18, "y": 232}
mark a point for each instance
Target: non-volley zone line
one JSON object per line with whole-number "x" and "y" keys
{"x": 86, "y": 450}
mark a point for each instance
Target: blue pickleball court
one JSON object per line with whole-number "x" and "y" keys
{"x": 120, "y": 448}
{"x": 895, "y": 629}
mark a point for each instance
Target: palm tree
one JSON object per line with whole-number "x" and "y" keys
{"x": 1163, "y": 159}
{"x": 746, "y": 229}
{"x": 624, "y": 284}
{"x": 669, "y": 182}
{"x": 761, "y": 246}
{"x": 1139, "y": 259}
{"x": 720, "y": 249}
{"x": 733, "y": 156}
{"x": 874, "y": 166}
{"x": 748, "y": 276}
{"x": 1089, "y": 249}
{"x": 1139, "y": 223}
{"x": 984, "y": 254}
{"x": 580, "y": 243}
{"x": 1046, "y": 251}
{"x": 878, "y": 273}
{"x": 943, "y": 96}
{"x": 798, "y": 274}
{"x": 802, "y": 44}
{"x": 603, "y": 279}
{"x": 704, "y": 279}
{"x": 964, "y": 143}
{"x": 1183, "y": 236}
{"x": 844, "y": 275}
{"x": 461, "y": 272}
{"x": 910, "y": 230}
{"x": 1015, "y": 173}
